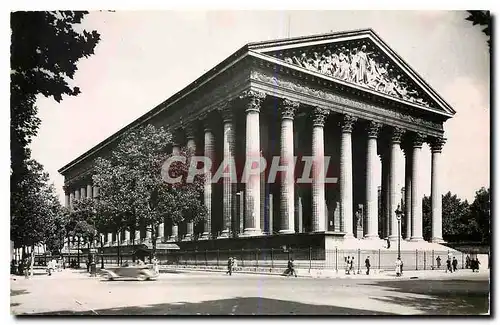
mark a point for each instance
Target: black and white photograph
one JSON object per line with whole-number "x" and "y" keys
{"x": 250, "y": 162}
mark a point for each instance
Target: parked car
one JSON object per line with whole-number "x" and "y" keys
{"x": 138, "y": 272}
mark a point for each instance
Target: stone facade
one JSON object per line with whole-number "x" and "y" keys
{"x": 297, "y": 97}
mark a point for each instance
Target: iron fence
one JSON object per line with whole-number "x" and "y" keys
{"x": 310, "y": 258}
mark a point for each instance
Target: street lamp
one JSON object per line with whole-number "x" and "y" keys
{"x": 399, "y": 214}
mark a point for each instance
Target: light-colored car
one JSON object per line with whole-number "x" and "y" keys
{"x": 139, "y": 272}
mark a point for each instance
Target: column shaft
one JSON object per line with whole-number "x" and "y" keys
{"x": 207, "y": 194}
{"x": 395, "y": 190}
{"x": 89, "y": 191}
{"x": 416, "y": 192}
{"x": 252, "y": 154}
{"x": 436, "y": 195}
{"x": 346, "y": 208}
{"x": 191, "y": 146}
{"x": 371, "y": 182}
{"x": 318, "y": 178}
{"x": 227, "y": 185}
{"x": 287, "y": 188}
{"x": 408, "y": 173}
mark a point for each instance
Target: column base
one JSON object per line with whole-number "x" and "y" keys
{"x": 205, "y": 236}
{"x": 188, "y": 237}
{"x": 437, "y": 240}
{"x": 286, "y": 231}
{"x": 251, "y": 232}
{"x": 416, "y": 239}
{"x": 171, "y": 239}
{"x": 349, "y": 236}
{"x": 372, "y": 237}
{"x": 224, "y": 234}
{"x": 394, "y": 238}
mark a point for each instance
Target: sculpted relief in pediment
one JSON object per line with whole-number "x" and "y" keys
{"x": 359, "y": 66}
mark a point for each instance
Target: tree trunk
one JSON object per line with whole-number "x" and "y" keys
{"x": 118, "y": 247}
{"x": 102, "y": 251}
{"x": 32, "y": 262}
{"x": 78, "y": 254}
{"x": 153, "y": 238}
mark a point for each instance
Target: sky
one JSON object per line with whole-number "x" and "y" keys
{"x": 144, "y": 57}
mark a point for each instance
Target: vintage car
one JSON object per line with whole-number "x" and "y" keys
{"x": 139, "y": 272}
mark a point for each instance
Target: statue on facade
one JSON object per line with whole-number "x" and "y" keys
{"x": 359, "y": 218}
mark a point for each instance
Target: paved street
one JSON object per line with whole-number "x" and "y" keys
{"x": 198, "y": 293}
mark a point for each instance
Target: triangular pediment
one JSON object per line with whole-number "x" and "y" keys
{"x": 358, "y": 58}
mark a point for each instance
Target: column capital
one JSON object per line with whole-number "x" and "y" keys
{"x": 288, "y": 108}
{"x": 347, "y": 123}
{"x": 66, "y": 189}
{"x": 373, "y": 129}
{"x": 253, "y": 99}
{"x": 436, "y": 144}
{"x": 190, "y": 130}
{"x": 225, "y": 110}
{"x": 418, "y": 140}
{"x": 206, "y": 119}
{"x": 396, "y": 134}
{"x": 319, "y": 116}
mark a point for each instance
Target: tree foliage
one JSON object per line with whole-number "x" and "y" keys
{"x": 483, "y": 19}
{"x": 36, "y": 213}
{"x": 131, "y": 188}
{"x": 462, "y": 221}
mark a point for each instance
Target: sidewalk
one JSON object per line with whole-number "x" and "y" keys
{"x": 332, "y": 274}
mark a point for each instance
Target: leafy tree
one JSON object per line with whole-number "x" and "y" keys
{"x": 480, "y": 211}
{"x": 455, "y": 213}
{"x": 481, "y": 18}
{"x": 45, "y": 48}
{"x": 133, "y": 191}
{"x": 36, "y": 213}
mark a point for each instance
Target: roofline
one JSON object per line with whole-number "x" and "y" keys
{"x": 228, "y": 62}
{"x": 203, "y": 79}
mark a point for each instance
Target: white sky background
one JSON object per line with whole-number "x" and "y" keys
{"x": 145, "y": 57}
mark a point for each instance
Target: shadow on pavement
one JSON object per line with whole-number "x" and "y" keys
{"x": 444, "y": 297}
{"x": 18, "y": 292}
{"x": 233, "y": 306}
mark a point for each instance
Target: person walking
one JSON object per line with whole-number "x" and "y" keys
{"x": 398, "y": 267}
{"x": 367, "y": 264}
{"x": 291, "y": 268}
{"x": 351, "y": 267}
{"x": 156, "y": 266}
{"x": 454, "y": 263}
{"x": 438, "y": 262}
{"x": 348, "y": 265}
{"x": 448, "y": 266}
{"x": 230, "y": 266}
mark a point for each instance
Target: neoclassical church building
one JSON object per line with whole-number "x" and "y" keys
{"x": 347, "y": 96}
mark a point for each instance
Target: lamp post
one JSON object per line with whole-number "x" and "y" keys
{"x": 399, "y": 214}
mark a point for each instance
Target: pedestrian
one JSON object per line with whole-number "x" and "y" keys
{"x": 51, "y": 266}
{"x": 398, "y": 267}
{"x": 448, "y": 266}
{"x": 454, "y": 263}
{"x": 438, "y": 262}
{"x": 347, "y": 264}
{"x": 476, "y": 263}
{"x": 388, "y": 243}
{"x": 230, "y": 266}
{"x": 156, "y": 265}
{"x": 291, "y": 268}
{"x": 467, "y": 261}
{"x": 351, "y": 267}
{"x": 367, "y": 264}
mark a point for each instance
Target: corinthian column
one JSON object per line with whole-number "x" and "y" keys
{"x": 346, "y": 175}
{"x": 287, "y": 204}
{"x": 371, "y": 182}
{"x": 253, "y": 102}
{"x": 416, "y": 191}
{"x": 207, "y": 194}
{"x": 227, "y": 184}
{"x": 436, "y": 195}
{"x": 395, "y": 190}
{"x": 67, "y": 197}
{"x": 175, "y": 228}
{"x": 318, "y": 177}
{"x": 71, "y": 199}
{"x": 191, "y": 147}
{"x": 408, "y": 172}
{"x": 89, "y": 191}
